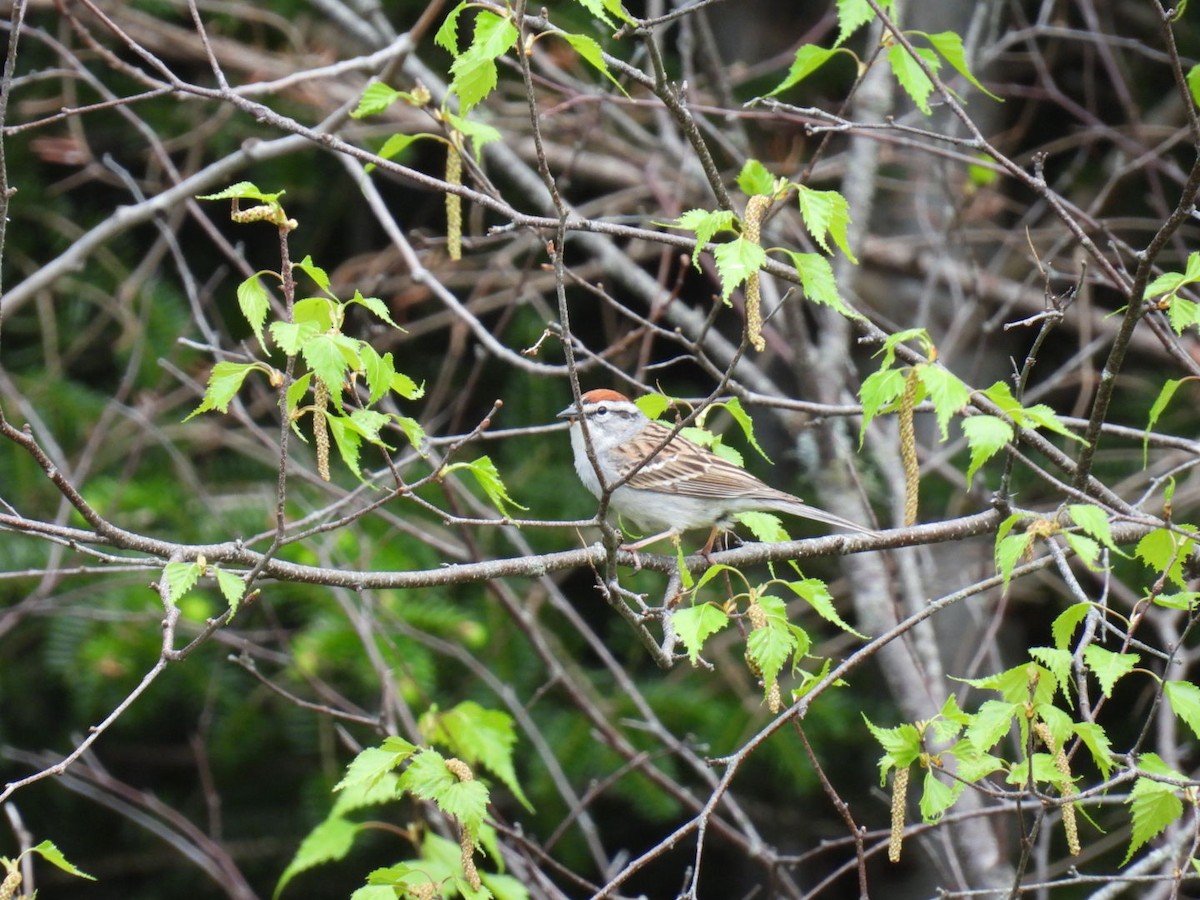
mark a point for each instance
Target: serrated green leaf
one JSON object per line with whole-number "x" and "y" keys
{"x": 479, "y": 736}
{"x": 295, "y": 393}
{"x": 852, "y": 15}
{"x": 1165, "y": 551}
{"x": 1057, "y": 661}
{"x": 1193, "y": 83}
{"x": 1170, "y": 386}
{"x": 879, "y": 391}
{"x": 1107, "y": 666}
{"x": 376, "y": 97}
{"x": 478, "y": 133}
{"x": 991, "y": 723}
{"x": 704, "y": 224}
{"x": 488, "y": 477}
{"x": 1153, "y": 806}
{"x": 766, "y": 527}
{"x": 376, "y": 306}
{"x": 1182, "y": 314}
{"x": 1042, "y": 416}
{"x": 591, "y": 53}
{"x": 734, "y": 407}
{"x": 291, "y": 337}
{"x": 950, "y": 46}
{"x": 826, "y": 215}
{"x": 243, "y": 190}
{"x": 254, "y": 302}
{"x": 808, "y": 59}
{"x": 1096, "y": 740}
{"x": 319, "y": 276}
{"x": 379, "y": 371}
{"x": 816, "y": 594}
{"x": 348, "y": 441}
{"x": 910, "y": 75}
{"x": 1085, "y": 548}
{"x": 1065, "y": 623}
{"x": 51, "y": 854}
{"x": 406, "y": 387}
{"x": 371, "y": 764}
{"x": 224, "y": 382}
{"x": 769, "y": 646}
{"x": 986, "y": 436}
{"x": 473, "y": 79}
{"x": 1184, "y": 600}
{"x": 447, "y": 35}
{"x": 696, "y": 624}
{"x": 1184, "y": 698}
{"x": 414, "y": 432}
{"x": 755, "y": 179}
{"x": 319, "y": 311}
{"x": 395, "y": 145}
{"x": 180, "y": 577}
{"x": 947, "y": 391}
{"x": 328, "y": 842}
{"x": 231, "y": 586}
{"x": 736, "y": 261}
{"x": 1094, "y": 521}
{"x": 653, "y": 405}
{"x": 1009, "y": 551}
{"x": 819, "y": 282}
{"x": 901, "y": 745}
{"x": 324, "y": 355}
{"x": 937, "y": 797}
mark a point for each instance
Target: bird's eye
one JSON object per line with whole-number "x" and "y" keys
{"x": 601, "y": 411}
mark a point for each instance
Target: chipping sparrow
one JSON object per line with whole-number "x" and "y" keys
{"x": 683, "y": 486}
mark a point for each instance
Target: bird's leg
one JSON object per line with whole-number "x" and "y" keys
{"x": 706, "y": 552}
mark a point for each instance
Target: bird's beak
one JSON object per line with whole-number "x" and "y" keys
{"x": 571, "y": 412}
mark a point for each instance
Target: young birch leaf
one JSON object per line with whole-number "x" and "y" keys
{"x": 696, "y": 624}
{"x": 254, "y": 303}
{"x": 379, "y": 372}
{"x": 704, "y": 224}
{"x": 348, "y": 441}
{"x": 755, "y": 179}
{"x": 1044, "y": 417}
{"x": 1094, "y": 521}
{"x": 328, "y": 842}
{"x": 231, "y": 586}
{"x": 488, "y": 477}
{"x": 181, "y": 577}
{"x": 376, "y": 306}
{"x": 1065, "y": 623}
{"x": 51, "y": 854}
{"x": 937, "y": 797}
{"x": 1184, "y": 698}
{"x": 852, "y": 15}
{"x": 819, "y": 282}
{"x": 1193, "y": 83}
{"x": 901, "y": 746}
{"x": 1108, "y": 666}
{"x": 1085, "y": 548}
{"x": 986, "y": 436}
{"x": 879, "y": 390}
{"x": 826, "y": 214}
{"x": 319, "y": 276}
{"x": 910, "y": 76}
{"x": 736, "y": 261}
{"x": 808, "y": 59}
{"x": 291, "y": 337}
{"x": 950, "y": 45}
{"x": 223, "y": 384}
{"x": 243, "y": 190}
{"x": 816, "y": 594}
{"x": 373, "y": 763}
{"x": 376, "y": 97}
{"x": 323, "y": 354}
{"x": 1153, "y": 806}
{"x": 478, "y": 133}
{"x": 733, "y": 406}
{"x": 1009, "y": 551}
{"x": 1098, "y": 745}
{"x": 947, "y": 391}
{"x": 1170, "y": 386}
{"x": 766, "y": 528}
{"x": 589, "y": 51}
{"x": 447, "y": 34}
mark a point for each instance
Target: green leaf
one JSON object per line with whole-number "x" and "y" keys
{"x": 1108, "y": 666}
{"x": 1042, "y": 416}
{"x": 1085, "y": 548}
{"x": 704, "y": 224}
{"x": 1153, "y": 806}
{"x": 376, "y": 97}
{"x": 474, "y": 72}
{"x": 254, "y": 302}
{"x": 591, "y": 53}
{"x": 1182, "y": 314}
{"x": 808, "y": 59}
{"x": 414, "y": 432}
{"x": 428, "y": 778}
{"x": 947, "y": 391}
{"x": 324, "y": 355}
{"x": 348, "y": 440}
{"x": 319, "y": 311}
{"x": 853, "y": 14}
{"x": 770, "y": 645}
{"x": 291, "y": 337}
{"x": 1170, "y": 386}
{"x": 910, "y": 76}
{"x": 447, "y": 35}
{"x": 1058, "y": 662}
{"x": 1184, "y": 698}
{"x": 819, "y": 282}
{"x": 488, "y": 478}
{"x": 479, "y": 735}
{"x": 407, "y": 388}
{"x": 755, "y": 179}
{"x": 826, "y": 215}
{"x": 394, "y": 146}
{"x": 379, "y": 371}
{"x": 653, "y": 405}
{"x": 1165, "y": 551}
{"x": 1010, "y": 549}
{"x": 295, "y": 393}
{"x": 937, "y": 797}
{"x": 224, "y": 382}
{"x": 816, "y": 594}
{"x": 181, "y": 577}
{"x": 950, "y": 45}
{"x": 696, "y": 624}
{"x": 1065, "y": 623}
{"x": 478, "y": 133}
{"x": 736, "y": 261}
{"x": 766, "y": 528}
{"x": 734, "y": 407}
{"x": 243, "y": 190}
{"x": 231, "y": 586}
{"x": 1193, "y": 83}
{"x": 991, "y": 723}
{"x": 1095, "y": 739}
{"x": 901, "y": 745}
{"x": 376, "y": 306}
{"x": 1184, "y": 600}
{"x": 1094, "y": 521}
{"x": 51, "y": 854}
{"x": 879, "y": 391}
{"x": 328, "y": 842}
{"x": 373, "y": 763}
{"x": 319, "y": 276}
{"x": 986, "y": 436}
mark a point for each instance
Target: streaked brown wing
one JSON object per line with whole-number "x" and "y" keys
{"x": 701, "y": 475}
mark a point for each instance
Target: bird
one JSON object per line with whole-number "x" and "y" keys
{"x": 683, "y": 486}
